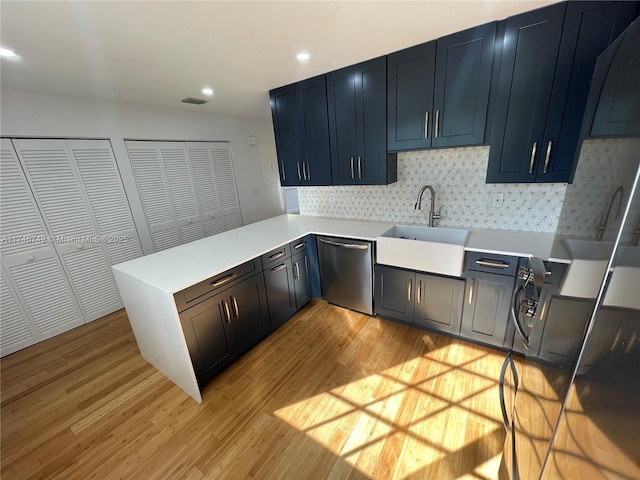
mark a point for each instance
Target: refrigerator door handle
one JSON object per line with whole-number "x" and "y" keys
{"x": 508, "y": 362}
{"x": 514, "y": 316}
{"x": 503, "y": 406}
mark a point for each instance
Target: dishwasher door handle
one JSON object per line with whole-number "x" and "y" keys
{"x": 353, "y": 246}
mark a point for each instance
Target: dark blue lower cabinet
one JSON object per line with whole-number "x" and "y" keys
{"x": 424, "y": 300}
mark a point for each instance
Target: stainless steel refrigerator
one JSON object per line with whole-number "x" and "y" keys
{"x": 570, "y": 391}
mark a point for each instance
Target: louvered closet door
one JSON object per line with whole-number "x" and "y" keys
{"x": 164, "y": 181}
{"x": 37, "y": 301}
{"x": 226, "y": 185}
{"x": 15, "y": 331}
{"x": 103, "y": 186}
{"x": 215, "y": 186}
{"x": 204, "y": 181}
{"x": 67, "y": 213}
{"x": 183, "y": 195}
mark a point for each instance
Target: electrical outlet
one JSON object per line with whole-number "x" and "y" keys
{"x": 498, "y": 198}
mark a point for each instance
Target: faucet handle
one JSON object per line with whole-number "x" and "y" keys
{"x": 437, "y": 212}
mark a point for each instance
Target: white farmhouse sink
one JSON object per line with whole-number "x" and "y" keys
{"x": 427, "y": 249}
{"x": 625, "y": 280}
{"x": 588, "y": 249}
{"x": 589, "y": 261}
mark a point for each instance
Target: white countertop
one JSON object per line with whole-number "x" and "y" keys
{"x": 180, "y": 267}
{"x": 185, "y": 265}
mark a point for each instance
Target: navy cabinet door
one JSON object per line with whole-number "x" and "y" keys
{"x": 394, "y": 293}
{"x": 249, "y": 312}
{"x": 357, "y": 100}
{"x": 209, "y": 336}
{"x": 300, "y": 263}
{"x": 589, "y": 27}
{"x": 439, "y": 303}
{"x": 314, "y": 129}
{"x": 371, "y": 124}
{"x": 284, "y": 111}
{"x": 280, "y": 293}
{"x": 530, "y": 45}
{"x": 410, "y": 79}
{"x": 462, "y": 79}
{"x": 341, "y": 99}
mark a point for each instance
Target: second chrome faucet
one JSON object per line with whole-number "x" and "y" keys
{"x": 433, "y": 216}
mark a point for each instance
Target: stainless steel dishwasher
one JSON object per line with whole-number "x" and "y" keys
{"x": 346, "y": 272}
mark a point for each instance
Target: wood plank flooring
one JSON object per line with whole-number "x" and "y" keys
{"x": 332, "y": 394}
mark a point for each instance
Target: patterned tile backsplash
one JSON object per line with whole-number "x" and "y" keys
{"x": 605, "y": 165}
{"x": 458, "y": 178}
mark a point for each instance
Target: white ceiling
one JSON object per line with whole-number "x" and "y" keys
{"x": 158, "y": 52}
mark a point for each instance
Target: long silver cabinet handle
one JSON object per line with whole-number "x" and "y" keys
{"x": 419, "y": 297}
{"x": 276, "y": 256}
{"x": 352, "y": 174}
{"x": 437, "y": 126}
{"x": 359, "y": 167}
{"x": 299, "y": 176}
{"x": 226, "y": 311}
{"x": 236, "y": 311}
{"x": 487, "y": 263}
{"x": 297, "y": 270}
{"x": 533, "y": 156}
{"x": 355, "y": 246}
{"x": 278, "y": 268}
{"x": 426, "y": 124}
{"x": 546, "y": 158}
{"x": 409, "y": 288}
{"x": 222, "y": 281}
{"x": 300, "y": 245}
{"x": 304, "y": 170}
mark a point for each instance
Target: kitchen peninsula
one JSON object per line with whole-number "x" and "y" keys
{"x": 148, "y": 284}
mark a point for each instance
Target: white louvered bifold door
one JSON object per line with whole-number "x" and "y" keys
{"x": 226, "y": 185}
{"x": 182, "y": 189}
{"x": 216, "y": 187}
{"x": 103, "y": 187}
{"x": 153, "y": 188}
{"x": 37, "y": 300}
{"x": 65, "y": 207}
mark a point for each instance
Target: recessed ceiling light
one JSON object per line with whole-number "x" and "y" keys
{"x": 207, "y": 91}
{"x": 5, "y": 52}
{"x": 303, "y": 56}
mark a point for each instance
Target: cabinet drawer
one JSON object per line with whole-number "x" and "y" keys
{"x": 299, "y": 244}
{"x": 492, "y": 263}
{"x": 193, "y": 295}
{"x": 276, "y": 255}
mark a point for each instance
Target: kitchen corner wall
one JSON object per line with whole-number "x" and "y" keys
{"x": 458, "y": 178}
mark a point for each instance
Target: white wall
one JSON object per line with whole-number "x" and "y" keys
{"x": 26, "y": 114}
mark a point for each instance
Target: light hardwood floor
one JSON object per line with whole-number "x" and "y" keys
{"x": 332, "y": 394}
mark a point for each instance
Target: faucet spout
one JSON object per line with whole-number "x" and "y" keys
{"x": 432, "y": 216}
{"x": 619, "y": 193}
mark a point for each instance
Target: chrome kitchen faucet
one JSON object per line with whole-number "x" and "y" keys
{"x": 433, "y": 216}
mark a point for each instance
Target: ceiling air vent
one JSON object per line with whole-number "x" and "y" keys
{"x": 195, "y": 101}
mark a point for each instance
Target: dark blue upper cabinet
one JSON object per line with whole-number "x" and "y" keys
{"x": 530, "y": 43}
{"x": 618, "y": 108}
{"x": 357, "y": 125}
{"x": 314, "y": 129}
{"x": 463, "y": 78}
{"x": 543, "y": 86}
{"x": 438, "y": 92}
{"x": 410, "y": 80}
{"x": 284, "y": 111}
{"x": 301, "y": 130}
